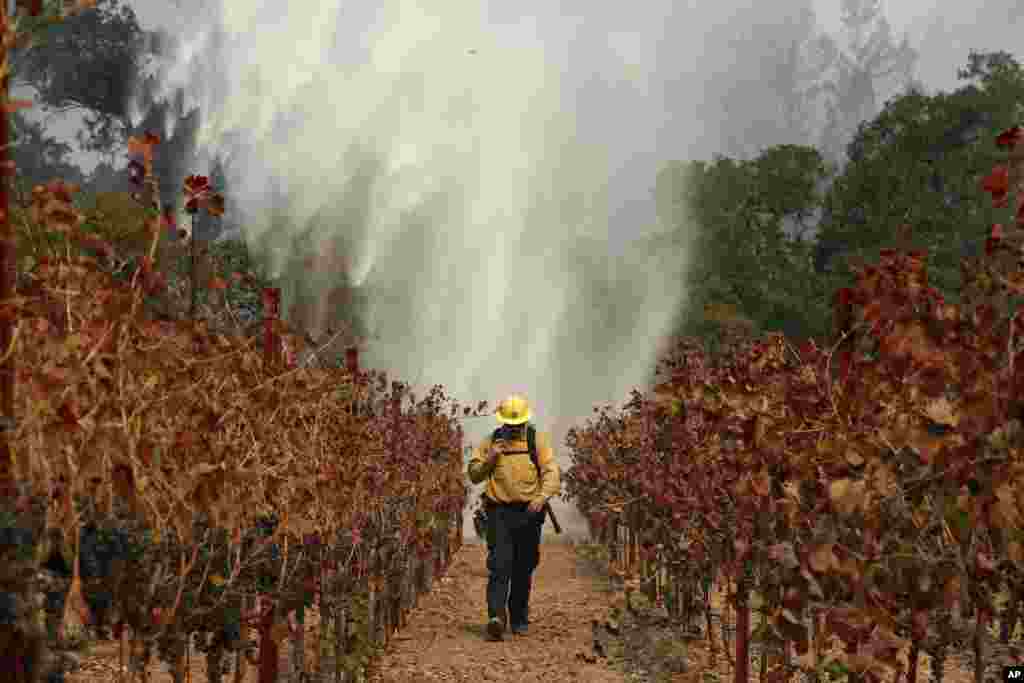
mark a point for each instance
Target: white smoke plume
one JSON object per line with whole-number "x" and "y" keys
{"x": 433, "y": 163}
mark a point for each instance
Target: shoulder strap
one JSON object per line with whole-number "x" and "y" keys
{"x": 531, "y": 443}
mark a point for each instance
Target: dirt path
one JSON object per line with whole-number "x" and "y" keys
{"x": 444, "y": 640}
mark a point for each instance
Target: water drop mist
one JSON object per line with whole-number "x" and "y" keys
{"x": 429, "y": 159}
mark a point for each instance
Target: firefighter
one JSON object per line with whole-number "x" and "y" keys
{"x": 515, "y": 505}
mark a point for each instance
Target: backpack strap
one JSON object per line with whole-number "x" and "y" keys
{"x": 531, "y": 444}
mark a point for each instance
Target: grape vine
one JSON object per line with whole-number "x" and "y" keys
{"x": 867, "y": 492}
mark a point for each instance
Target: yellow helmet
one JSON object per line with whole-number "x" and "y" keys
{"x": 514, "y": 410}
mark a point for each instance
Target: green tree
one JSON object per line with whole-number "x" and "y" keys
{"x": 91, "y": 62}
{"x": 734, "y": 224}
{"x": 870, "y": 56}
{"x": 670, "y": 194}
{"x": 96, "y": 63}
{"x": 38, "y": 157}
{"x": 212, "y": 227}
{"x": 176, "y": 156}
{"x": 772, "y": 90}
{"x": 106, "y": 178}
{"x": 919, "y": 163}
{"x": 795, "y": 76}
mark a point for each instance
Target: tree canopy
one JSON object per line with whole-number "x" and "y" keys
{"x": 747, "y": 220}
{"x": 90, "y": 62}
{"x": 919, "y": 163}
{"x": 750, "y": 229}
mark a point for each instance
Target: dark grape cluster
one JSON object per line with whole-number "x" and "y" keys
{"x": 224, "y": 630}
{"x": 98, "y": 548}
{"x": 54, "y": 602}
{"x": 15, "y": 538}
{"x": 100, "y": 598}
{"x": 266, "y": 525}
{"x": 8, "y": 608}
{"x": 232, "y": 629}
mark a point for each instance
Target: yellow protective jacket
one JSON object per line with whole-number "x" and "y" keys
{"x": 512, "y": 478}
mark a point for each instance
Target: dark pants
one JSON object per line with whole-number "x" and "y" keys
{"x": 513, "y": 552}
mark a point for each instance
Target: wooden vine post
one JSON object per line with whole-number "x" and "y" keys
{"x": 271, "y": 309}
{"x": 742, "y": 631}
{"x": 979, "y": 643}
{"x": 352, "y": 365}
{"x": 194, "y": 288}
{"x": 269, "y": 653}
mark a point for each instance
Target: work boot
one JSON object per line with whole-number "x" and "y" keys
{"x": 519, "y": 629}
{"x": 496, "y": 627}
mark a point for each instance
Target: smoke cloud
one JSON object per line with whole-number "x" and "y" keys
{"x": 431, "y": 162}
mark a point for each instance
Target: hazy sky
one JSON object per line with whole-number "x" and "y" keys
{"x": 465, "y": 183}
{"x": 622, "y": 55}
{"x": 658, "y": 40}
